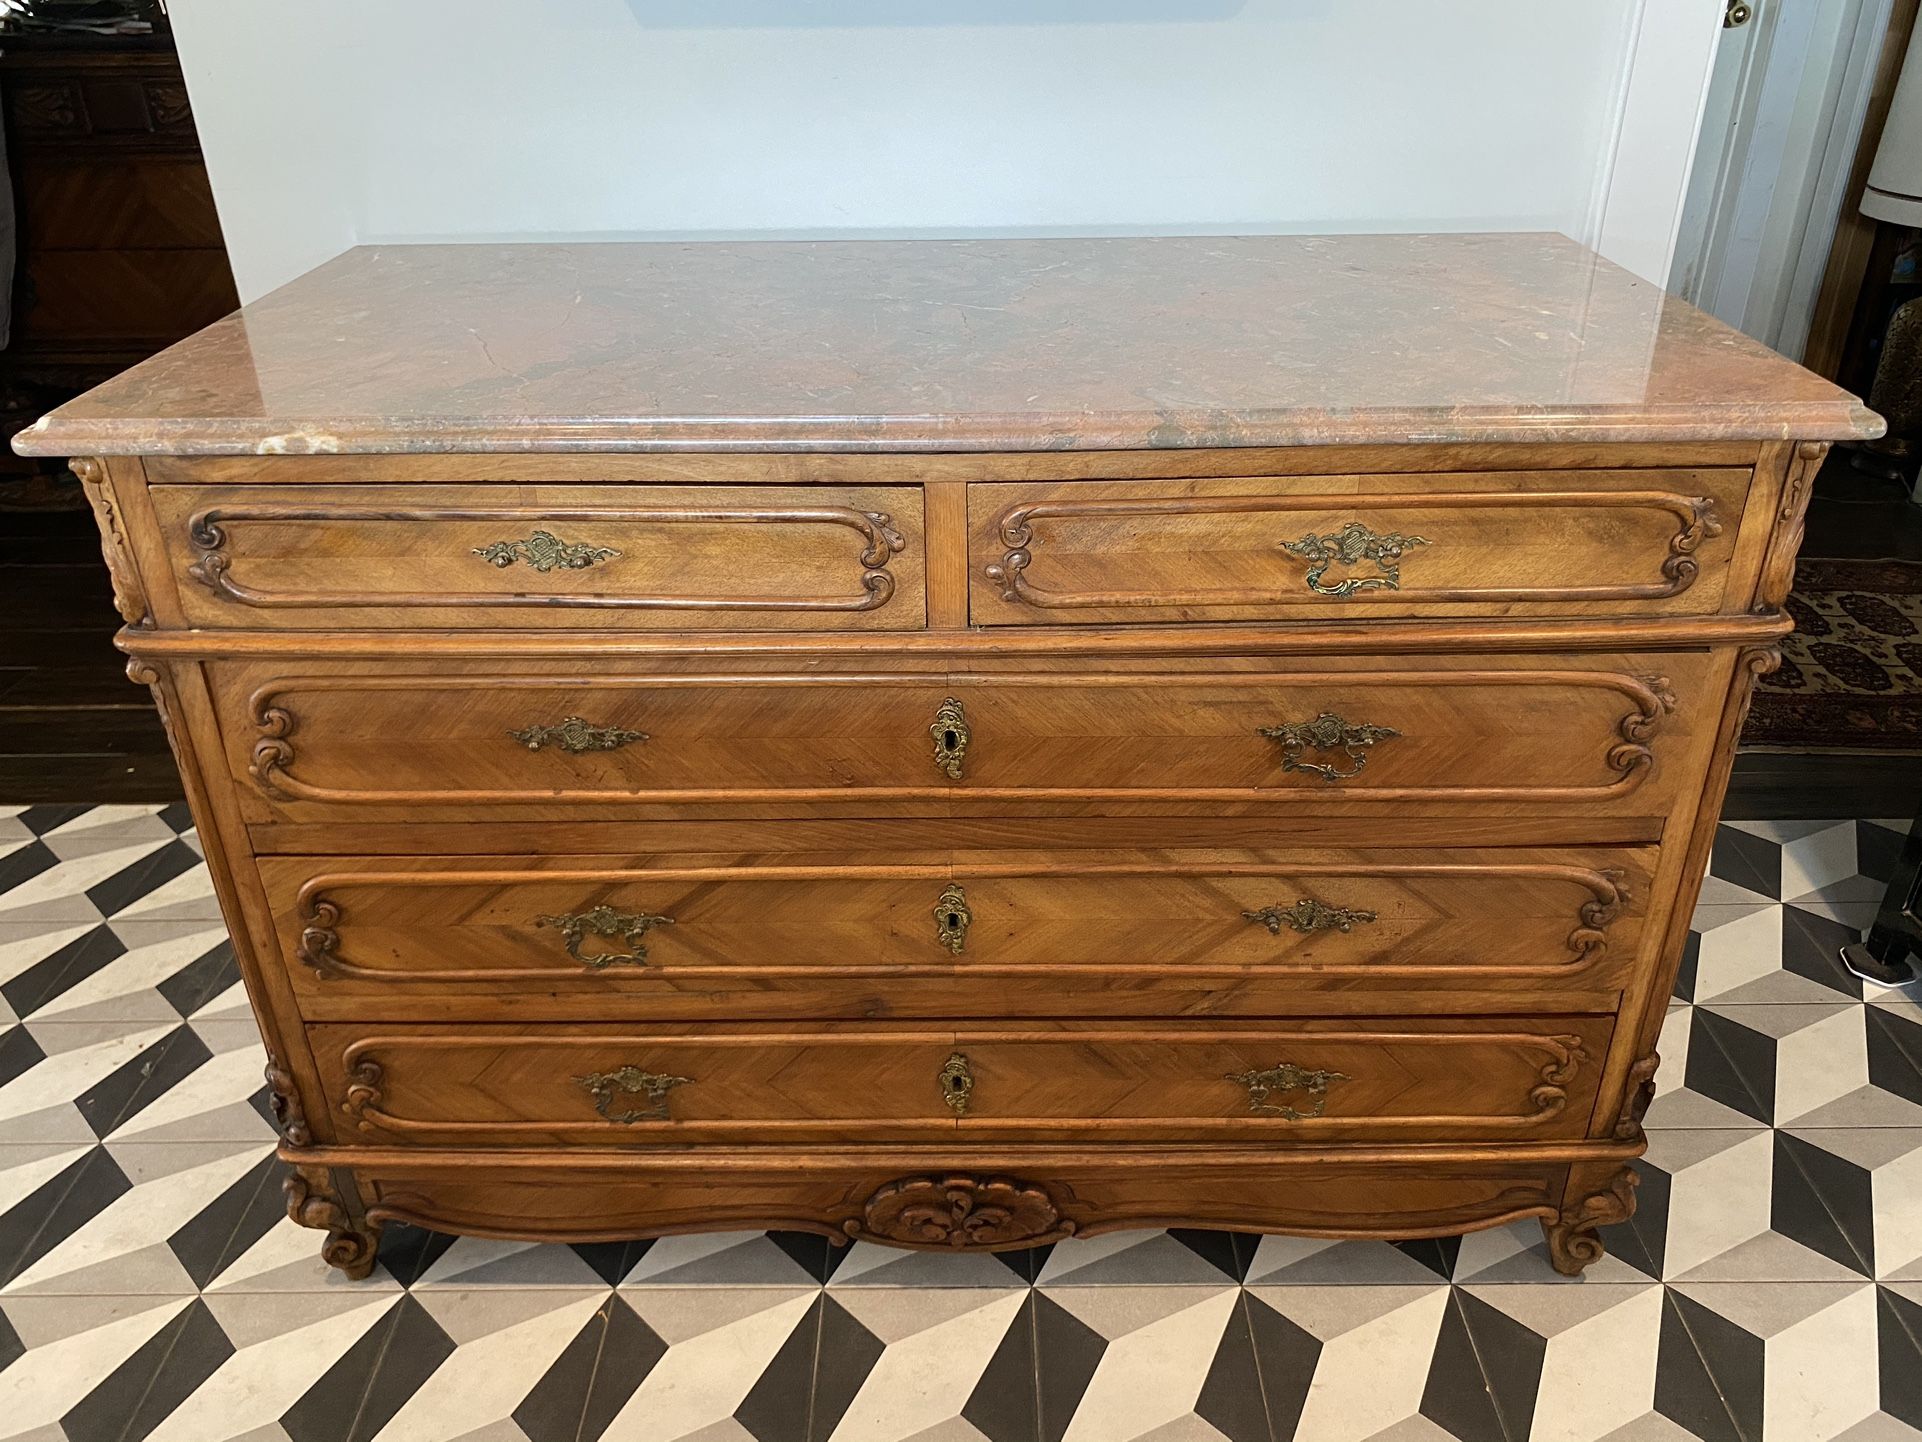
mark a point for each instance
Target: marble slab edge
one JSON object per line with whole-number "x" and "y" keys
{"x": 431, "y": 435}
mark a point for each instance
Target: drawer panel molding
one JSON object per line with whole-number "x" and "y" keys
{"x": 1431, "y": 1080}
{"x": 213, "y": 566}
{"x": 522, "y": 929}
{"x": 1578, "y": 735}
{"x": 545, "y": 558}
{"x": 1101, "y": 552}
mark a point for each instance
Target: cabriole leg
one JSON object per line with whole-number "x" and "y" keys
{"x": 1599, "y": 1195}
{"x": 313, "y": 1200}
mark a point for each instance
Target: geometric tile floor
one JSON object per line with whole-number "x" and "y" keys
{"x": 1770, "y": 1286}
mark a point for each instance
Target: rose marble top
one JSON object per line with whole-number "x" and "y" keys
{"x": 954, "y": 346}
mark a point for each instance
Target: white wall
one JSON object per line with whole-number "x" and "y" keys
{"x": 332, "y": 122}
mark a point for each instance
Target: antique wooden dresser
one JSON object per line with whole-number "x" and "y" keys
{"x": 958, "y": 744}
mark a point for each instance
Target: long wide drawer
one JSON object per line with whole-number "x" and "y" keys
{"x": 1565, "y": 731}
{"x": 1413, "y": 1079}
{"x": 1273, "y": 548}
{"x": 977, "y": 934}
{"x": 481, "y": 557}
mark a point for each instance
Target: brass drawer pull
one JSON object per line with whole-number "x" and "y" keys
{"x": 1327, "y": 732}
{"x": 957, "y": 1084}
{"x": 1352, "y": 544}
{"x": 1286, "y": 1077}
{"x": 952, "y": 919}
{"x": 575, "y": 735}
{"x": 951, "y": 736}
{"x": 545, "y": 551}
{"x": 1309, "y": 915}
{"x": 603, "y": 1085}
{"x": 629, "y": 926}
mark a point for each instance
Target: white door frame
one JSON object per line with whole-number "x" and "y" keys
{"x": 1784, "y": 114}
{"x": 1643, "y": 172}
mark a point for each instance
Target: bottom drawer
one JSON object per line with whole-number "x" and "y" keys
{"x": 965, "y": 1199}
{"x": 1383, "y": 1079}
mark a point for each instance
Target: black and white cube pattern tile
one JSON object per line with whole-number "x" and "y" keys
{"x": 151, "y": 1288}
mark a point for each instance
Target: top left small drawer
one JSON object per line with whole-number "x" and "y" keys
{"x": 515, "y": 557}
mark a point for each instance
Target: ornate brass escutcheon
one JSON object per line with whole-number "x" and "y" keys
{"x": 1309, "y": 915}
{"x": 951, "y": 736}
{"x": 545, "y": 551}
{"x": 1287, "y": 1077}
{"x": 603, "y": 1085}
{"x": 1349, "y": 546}
{"x": 629, "y": 926}
{"x": 952, "y": 919}
{"x": 957, "y": 1084}
{"x": 573, "y": 734}
{"x": 1327, "y": 732}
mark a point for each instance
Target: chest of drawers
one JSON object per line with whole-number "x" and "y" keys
{"x": 957, "y": 744}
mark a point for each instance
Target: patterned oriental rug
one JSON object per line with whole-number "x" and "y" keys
{"x": 1851, "y": 675}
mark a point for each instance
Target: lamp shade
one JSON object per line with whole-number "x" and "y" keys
{"x": 1895, "y": 182}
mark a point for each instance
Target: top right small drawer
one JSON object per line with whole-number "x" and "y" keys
{"x": 1494, "y": 543}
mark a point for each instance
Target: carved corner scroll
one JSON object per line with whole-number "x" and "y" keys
{"x": 1574, "y": 1240}
{"x": 284, "y": 1097}
{"x": 128, "y": 596}
{"x": 364, "y": 1080}
{"x": 1589, "y": 939}
{"x": 211, "y": 534}
{"x": 1778, "y": 563}
{"x": 143, "y": 672}
{"x": 319, "y": 933}
{"x": 1699, "y": 523}
{"x": 313, "y": 1200}
{"x": 273, "y": 753}
{"x": 1550, "y": 1096}
{"x": 1758, "y": 661}
{"x": 1641, "y": 1092}
{"x": 959, "y": 1211}
{"x": 1655, "y": 702}
{"x": 211, "y": 561}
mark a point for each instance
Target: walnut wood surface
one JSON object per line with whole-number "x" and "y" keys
{"x": 1565, "y": 731}
{"x": 1509, "y": 543}
{"x": 1129, "y": 847}
{"x": 1420, "y": 1079}
{"x": 1067, "y": 933}
{"x": 1316, "y": 1196}
{"x": 631, "y": 556}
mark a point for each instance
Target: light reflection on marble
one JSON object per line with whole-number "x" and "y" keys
{"x": 955, "y": 345}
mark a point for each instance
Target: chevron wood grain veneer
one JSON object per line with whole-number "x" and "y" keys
{"x": 958, "y": 744}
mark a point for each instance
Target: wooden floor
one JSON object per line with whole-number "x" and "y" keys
{"x": 72, "y": 727}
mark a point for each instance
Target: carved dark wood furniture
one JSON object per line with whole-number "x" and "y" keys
{"x": 120, "y": 251}
{"x": 958, "y": 744}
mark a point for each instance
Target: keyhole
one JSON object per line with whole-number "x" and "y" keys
{"x": 949, "y": 740}
{"x": 951, "y": 921}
